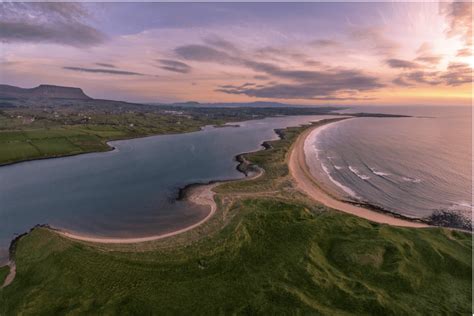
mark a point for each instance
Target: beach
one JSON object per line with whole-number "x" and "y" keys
{"x": 200, "y": 195}
{"x": 307, "y": 183}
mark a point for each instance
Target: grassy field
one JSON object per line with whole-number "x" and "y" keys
{"x": 268, "y": 250}
{"x": 45, "y": 138}
{"x": 3, "y": 273}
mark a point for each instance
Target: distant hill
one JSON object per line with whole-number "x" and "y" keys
{"x": 42, "y": 92}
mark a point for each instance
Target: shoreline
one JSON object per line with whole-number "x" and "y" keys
{"x": 197, "y": 193}
{"x": 200, "y": 194}
{"x": 109, "y": 149}
{"x": 108, "y": 143}
{"x": 308, "y": 184}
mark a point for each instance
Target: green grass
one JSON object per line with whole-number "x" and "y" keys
{"x": 66, "y": 140}
{"x": 3, "y": 273}
{"x": 43, "y": 143}
{"x": 45, "y": 138}
{"x": 15, "y": 151}
{"x": 266, "y": 254}
{"x": 273, "y": 258}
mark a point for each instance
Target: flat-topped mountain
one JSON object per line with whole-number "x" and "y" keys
{"x": 43, "y": 91}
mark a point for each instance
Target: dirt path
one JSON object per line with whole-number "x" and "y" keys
{"x": 306, "y": 183}
{"x": 201, "y": 195}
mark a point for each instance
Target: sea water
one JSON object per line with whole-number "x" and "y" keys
{"x": 412, "y": 166}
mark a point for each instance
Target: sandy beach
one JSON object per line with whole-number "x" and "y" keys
{"x": 201, "y": 195}
{"x": 307, "y": 183}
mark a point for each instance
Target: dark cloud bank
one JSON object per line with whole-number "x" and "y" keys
{"x": 174, "y": 66}
{"x": 49, "y": 22}
{"x": 104, "y": 71}
{"x": 335, "y": 84}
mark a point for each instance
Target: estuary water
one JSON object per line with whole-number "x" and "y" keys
{"x": 412, "y": 166}
{"x": 131, "y": 191}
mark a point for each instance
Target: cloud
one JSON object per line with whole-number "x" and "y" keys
{"x": 459, "y": 18}
{"x": 287, "y": 91}
{"x": 332, "y": 80}
{"x": 324, "y": 43}
{"x": 429, "y": 59}
{"x": 457, "y": 74}
{"x": 304, "y": 84}
{"x": 376, "y": 40}
{"x": 69, "y": 34}
{"x": 309, "y": 85}
{"x": 105, "y": 65}
{"x": 312, "y": 63}
{"x": 426, "y": 55}
{"x": 174, "y": 66}
{"x": 420, "y": 70}
{"x": 104, "y": 71}
{"x": 51, "y": 22}
{"x": 464, "y": 52}
{"x": 425, "y": 77}
{"x": 279, "y": 54}
{"x": 220, "y": 43}
{"x": 242, "y": 86}
{"x": 261, "y": 77}
{"x": 400, "y": 81}
{"x": 400, "y": 63}
{"x": 204, "y": 54}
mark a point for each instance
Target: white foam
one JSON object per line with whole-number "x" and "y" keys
{"x": 414, "y": 180}
{"x": 338, "y": 167}
{"x": 310, "y": 145}
{"x": 463, "y": 204}
{"x": 339, "y": 184}
{"x": 357, "y": 173}
{"x": 380, "y": 173}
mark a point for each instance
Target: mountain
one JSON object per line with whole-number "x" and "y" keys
{"x": 43, "y": 91}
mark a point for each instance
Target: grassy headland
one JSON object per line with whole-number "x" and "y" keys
{"x": 267, "y": 250}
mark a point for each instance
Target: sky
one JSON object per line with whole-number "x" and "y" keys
{"x": 385, "y": 53}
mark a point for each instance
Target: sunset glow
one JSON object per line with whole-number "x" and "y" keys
{"x": 307, "y": 53}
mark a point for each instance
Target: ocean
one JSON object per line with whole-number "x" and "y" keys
{"x": 416, "y": 166}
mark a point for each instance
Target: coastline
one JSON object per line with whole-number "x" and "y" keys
{"x": 200, "y": 195}
{"x": 108, "y": 149}
{"x": 309, "y": 185}
{"x": 108, "y": 143}
{"x": 197, "y": 193}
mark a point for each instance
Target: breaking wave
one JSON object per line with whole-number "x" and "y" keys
{"x": 357, "y": 173}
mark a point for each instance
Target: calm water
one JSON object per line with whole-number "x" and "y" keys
{"x": 412, "y": 166}
{"x": 130, "y": 191}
